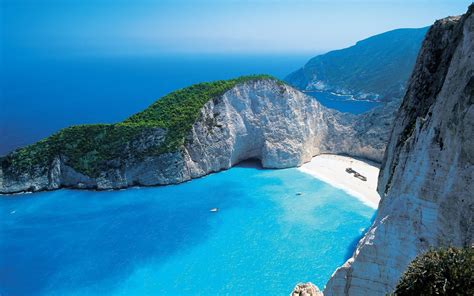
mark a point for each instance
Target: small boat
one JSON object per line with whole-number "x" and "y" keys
{"x": 299, "y": 193}
{"x": 214, "y": 210}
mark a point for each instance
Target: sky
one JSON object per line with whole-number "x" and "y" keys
{"x": 143, "y": 27}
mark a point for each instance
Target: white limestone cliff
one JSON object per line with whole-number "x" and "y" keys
{"x": 262, "y": 119}
{"x": 427, "y": 175}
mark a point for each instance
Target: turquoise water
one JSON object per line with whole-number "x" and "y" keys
{"x": 164, "y": 241}
{"x": 343, "y": 103}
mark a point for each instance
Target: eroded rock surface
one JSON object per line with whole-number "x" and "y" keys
{"x": 427, "y": 175}
{"x": 263, "y": 119}
{"x": 306, "y": 289}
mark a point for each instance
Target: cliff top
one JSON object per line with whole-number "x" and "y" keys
{"x": 90, "y": 148}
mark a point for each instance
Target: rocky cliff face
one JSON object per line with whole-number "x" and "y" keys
{"x": 427, "y": 176}
{"x": 375, "y": 68}
{"x": 262, "y": 119}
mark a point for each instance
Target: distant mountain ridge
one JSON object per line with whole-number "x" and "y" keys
{"x": 376, "y": 68}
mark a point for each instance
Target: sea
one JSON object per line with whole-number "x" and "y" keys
{"x": 272, "y": 228}
{"x": 40, "y": 94}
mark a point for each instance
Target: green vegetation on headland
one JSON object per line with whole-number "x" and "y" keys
{"x": 178, "y": 111}
{"x": 439, "y": 272}
{"x": 89, "y": 149}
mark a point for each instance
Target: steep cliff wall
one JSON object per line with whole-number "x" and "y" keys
{"x": 259, "y": 118}
{"x": 375, "y": 68}
{"x": 427, "y": 176}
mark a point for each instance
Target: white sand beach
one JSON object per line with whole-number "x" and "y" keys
{"x": 332, "y": 170}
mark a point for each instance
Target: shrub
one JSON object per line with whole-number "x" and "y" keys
{"x": 447, "y": 271}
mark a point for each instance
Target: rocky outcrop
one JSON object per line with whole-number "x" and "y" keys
{"x": 427, "y": 176}
{"x": 262, "y": 119}
{"x": 306, "y": 289}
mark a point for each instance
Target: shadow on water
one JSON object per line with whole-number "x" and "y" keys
{"x": 75, "y": 245}
{"x": 353, "y": 245}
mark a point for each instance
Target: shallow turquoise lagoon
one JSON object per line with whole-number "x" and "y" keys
{"x": 161, "y": 241}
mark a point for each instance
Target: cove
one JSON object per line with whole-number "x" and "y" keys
{"x": 273, "y": 229}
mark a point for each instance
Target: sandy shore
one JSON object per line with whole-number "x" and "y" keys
{"x": 332, "y": 170}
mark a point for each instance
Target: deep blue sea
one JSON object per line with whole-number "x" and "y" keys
{"x": 343, "y": 103}
{"x": 164, "y": 241}
{"x": 42, "y": 94}
{"x": 161, "y": 241}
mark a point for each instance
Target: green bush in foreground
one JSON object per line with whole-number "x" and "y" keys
{"x": 90, "y": 148}
{"x": 439, "y": 272}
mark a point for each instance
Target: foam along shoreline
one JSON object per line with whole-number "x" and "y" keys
{"x": 332, "y": 170}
